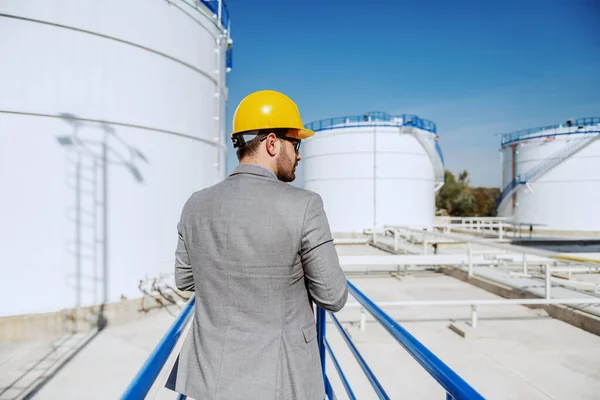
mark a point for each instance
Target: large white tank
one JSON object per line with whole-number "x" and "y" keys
{"x": 111, "y": 114}
{"x": 551, "y": 176}
{"x": 373, "y": 170}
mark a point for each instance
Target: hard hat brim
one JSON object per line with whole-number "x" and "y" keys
{"x": 301, "y": 134}
{"x": 294, "y": 133}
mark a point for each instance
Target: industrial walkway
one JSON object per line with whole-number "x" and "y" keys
{"x": 514, "y": 353}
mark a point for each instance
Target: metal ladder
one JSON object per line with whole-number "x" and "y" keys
{"x": 539, "y": 170}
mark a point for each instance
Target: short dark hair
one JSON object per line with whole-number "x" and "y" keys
{"x": 251, "y": 147}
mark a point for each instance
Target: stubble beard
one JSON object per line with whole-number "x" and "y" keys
{"x": 286, "y": 167}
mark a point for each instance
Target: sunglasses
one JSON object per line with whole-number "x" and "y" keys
{"x": 295, "y": 142}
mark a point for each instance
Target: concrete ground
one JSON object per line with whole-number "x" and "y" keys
{"x": 91, "y": 366}
{"x": 514, "y": 353}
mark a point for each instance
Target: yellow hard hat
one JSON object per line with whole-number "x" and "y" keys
{"x": 268, "y": 109}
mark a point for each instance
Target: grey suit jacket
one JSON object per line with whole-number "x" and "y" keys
{"x": 257, "y": 252}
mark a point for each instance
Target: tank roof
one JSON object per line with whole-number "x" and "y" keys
{"x": 516, "y": 136}
{"x": 373, "y": 118}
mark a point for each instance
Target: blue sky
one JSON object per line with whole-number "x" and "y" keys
{"x": 476, "y": 68}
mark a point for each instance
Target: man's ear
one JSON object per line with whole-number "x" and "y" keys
{"x": 272, "y": 145}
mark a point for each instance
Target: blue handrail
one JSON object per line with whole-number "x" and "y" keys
{"x": 374, "y": 118}
{"x": 144, "y": 379}
{"x": 438, "y": 149}
{"x": 225, "y": 15}
{"x": 225, "y": 20}
{"x": 213, "y": 6}
{"x": 455, "y": 386}
{"x": 361, "y": 361}
{"x": 507, "y": 189}
{"x": 336, "y": 364}
{"x": 229, "y": 59}
{"x": 522, "y": 134}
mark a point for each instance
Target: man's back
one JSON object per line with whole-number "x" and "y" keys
{"x": 256, "y": 251}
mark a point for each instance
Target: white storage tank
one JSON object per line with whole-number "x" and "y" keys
{"x": 111, "y": 114}
{"x": 374, "y": 169}
{"x": 551, "y": 176}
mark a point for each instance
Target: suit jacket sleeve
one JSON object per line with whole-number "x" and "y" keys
{"x": 184, "y": 278}
{"x": 325, "y": 280}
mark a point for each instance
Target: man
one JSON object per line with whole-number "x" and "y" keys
{"x": 257, "y": 252}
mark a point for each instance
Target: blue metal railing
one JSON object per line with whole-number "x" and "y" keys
{"x": 376, "y": 116}
{"x": 229, "y": 59}
{"x": 529, "y": 133}
{"x": 338, "y": 368}
{"x": 438, "y": 149}
{"x": 213, "y": 6}
{"x": 377, "y": 387}
{"x": 225, "y": 16}
{"x": 453, "y": 384}
{"x": 143, "y": 381}
{"x": 507, "y": 190}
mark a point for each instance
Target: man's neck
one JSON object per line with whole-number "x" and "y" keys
{"x": 258, "y": 164}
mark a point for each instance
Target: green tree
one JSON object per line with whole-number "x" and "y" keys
{"x": 464, "y": 205}
{"x": 450, "y": 191}
{"x": 463, "y": 178}
{"x": 456, "y": 198}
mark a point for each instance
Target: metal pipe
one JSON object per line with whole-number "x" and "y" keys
{"x": 361, "y": 361}
{"x": 481, "y": 302}
{"x": 548, "y": 281}
{"x": 217, "y": 94}
{"x": 474, "y": 316}
{"x": 469, "y": 255}
{"x": 363, "y": 319}
{"x": 568, "y": 257}
{"x": 445, "y": 376}
{"x": 105, "y": 271}
{"x": 374, "y": 184}
{"x": 95, "y": 225}
{"x": 350, "y": 241}
{"x": 509, "y": 247}
{"x": 429, "y": 260}
{"x": 78, "y": 223}
{"x": 329, "y": 390}
{"x": 336, "y": 364}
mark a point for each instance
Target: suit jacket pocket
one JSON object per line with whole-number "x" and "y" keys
{"x": 310, "y": 332}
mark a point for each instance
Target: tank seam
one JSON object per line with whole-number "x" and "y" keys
{"x": 139, "y": 46}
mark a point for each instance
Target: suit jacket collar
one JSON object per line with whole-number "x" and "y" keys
{"x": 253, "y": 169}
